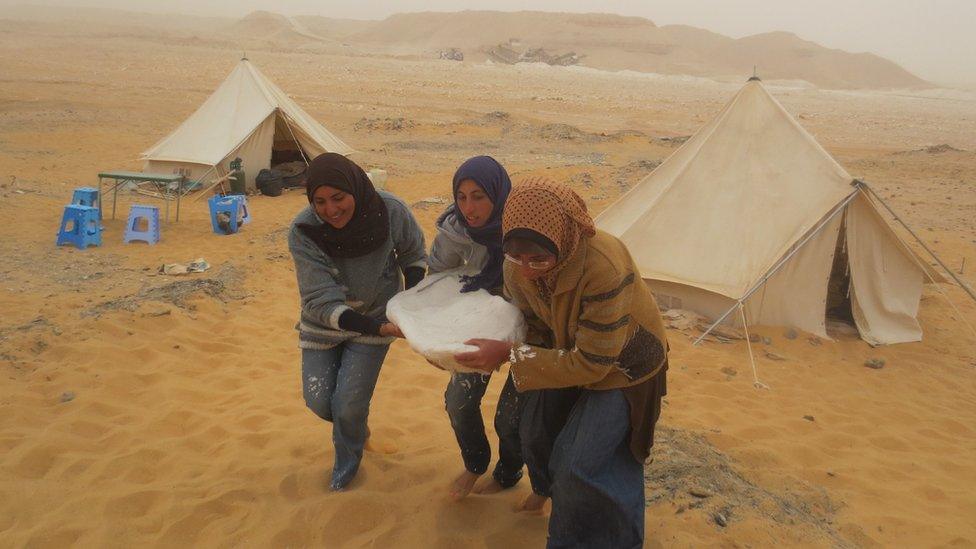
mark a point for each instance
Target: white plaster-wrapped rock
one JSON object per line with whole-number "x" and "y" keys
{"x": 437, "y": 319}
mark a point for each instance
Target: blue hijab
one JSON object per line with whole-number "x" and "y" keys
{"x": 494, "y": 181}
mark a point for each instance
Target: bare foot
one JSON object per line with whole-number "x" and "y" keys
{"x": 488, "y": 486}
{"x": 381, "y": 446}
{"x": 462, "y": 485}
{"x": 532, "y": 503}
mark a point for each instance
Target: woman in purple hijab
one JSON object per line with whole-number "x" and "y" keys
{"x": 469, "y": 237}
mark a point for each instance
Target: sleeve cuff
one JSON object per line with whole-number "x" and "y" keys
{"x": 333, "y": 320}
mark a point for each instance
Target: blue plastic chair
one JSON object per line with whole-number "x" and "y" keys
{"x": 87, "y": 196}
{"x": 133, "y": 232}
{"x": 80, "y": 226}
{"x": 228, "y": 213}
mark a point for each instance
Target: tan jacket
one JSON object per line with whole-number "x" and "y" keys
{"x": 602, "y": 329}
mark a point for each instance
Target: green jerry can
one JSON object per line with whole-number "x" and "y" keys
{"x": 237, "y": 175}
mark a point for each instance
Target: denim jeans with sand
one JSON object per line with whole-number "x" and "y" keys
{"x": 338, "y": 384}
{"x": 463, "y": 402}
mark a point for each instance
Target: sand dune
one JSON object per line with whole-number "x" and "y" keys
{"x": 605, "y": 41}
{"x": 616, "y": 43}
{"x": 143, "y": 409}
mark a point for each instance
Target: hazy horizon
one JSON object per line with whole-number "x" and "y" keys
{"x": 931, "y": 39}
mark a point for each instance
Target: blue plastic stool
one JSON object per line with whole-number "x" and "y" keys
{"x": 234, "y": 208}
{"x": 85, "y": 229}
{"x": 87, "y": 196}
{"x": 136, "y": 213}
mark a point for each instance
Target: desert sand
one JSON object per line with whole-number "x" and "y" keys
{"x": 143, "y": 409}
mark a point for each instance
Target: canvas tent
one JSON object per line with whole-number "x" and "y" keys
{"x": 753, "y": 210}
{"x": 248, "y": 116}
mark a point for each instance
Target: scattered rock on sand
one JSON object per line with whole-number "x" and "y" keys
{"x": 680, "y": 319}
{"x": 498, "y": 116}
{"x": 934, "y": 149}
{"x": 721, "y": 520}
{"x": 554, "y": 132}
{"x": 673, "y": 141}
{"x": 809, "y": 418}
{"x": 67, "y": 396}
{"x": 875, "y": 363}
{"x": 729, "y": 371}
{"x": 384, "y": 124}
{"x": 425, "y": 203}
{"x": 451, "y": 54}
{"x": 722, "y": 332}
{"x": 790, "y": 334}
{"x": 689, "y": 472}
{"x": 773, "y": 356}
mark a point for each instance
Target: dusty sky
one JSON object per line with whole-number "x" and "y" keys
{"x": 932, "y": 38}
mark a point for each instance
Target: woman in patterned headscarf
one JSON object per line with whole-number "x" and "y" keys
{"x": 352, "y": 246}
{"x": 592, "y": 366}
{"x": 469, "y": 237}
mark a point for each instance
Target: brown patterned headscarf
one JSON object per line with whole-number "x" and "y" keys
{"x": 556, "y": 212}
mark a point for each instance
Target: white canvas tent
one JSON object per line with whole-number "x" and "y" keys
{"x": 248, "y": 116}
{"x": 753, "y": 210}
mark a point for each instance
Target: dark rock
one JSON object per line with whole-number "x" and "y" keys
{"x": 875, "y": 363}
{"x": 721, "y": 520}
{"x": 451, "y": 54}
{"x": 67, "y": 396}
{"x": 809, "y": 418}
{"x": 790, "y": 334}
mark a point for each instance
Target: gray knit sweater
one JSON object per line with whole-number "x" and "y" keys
{"x": 328, "y": 286}
{"x": 454, "y": 249}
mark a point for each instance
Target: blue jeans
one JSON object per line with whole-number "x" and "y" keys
{"x": 597, "y": 484}
{"x": 338, "y": 384}
{"x": 544, "y": 414}
{"x": 463, "y": 401}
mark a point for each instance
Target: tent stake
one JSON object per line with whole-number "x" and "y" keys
{"x": 762, "y": 281}
{"x": 962, "y": 284}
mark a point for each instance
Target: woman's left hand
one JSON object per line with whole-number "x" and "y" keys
{"x": 491, "y": 354}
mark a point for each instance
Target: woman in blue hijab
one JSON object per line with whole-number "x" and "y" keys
{"x": 469, "y": 237}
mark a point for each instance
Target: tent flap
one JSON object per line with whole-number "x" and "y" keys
{"x": 886, "y": 283}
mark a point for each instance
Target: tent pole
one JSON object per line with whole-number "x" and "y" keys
{"x": 762, "y": 281}
{"x": 962, "y": 284}
{"x": 292, "y": 132}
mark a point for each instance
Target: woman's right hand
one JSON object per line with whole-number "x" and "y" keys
{"x": 389, "y": 329}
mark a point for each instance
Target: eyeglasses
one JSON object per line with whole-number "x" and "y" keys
{"x": 537, "y": 265}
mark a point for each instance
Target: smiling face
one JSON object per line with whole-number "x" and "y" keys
{"x": 333, "y": 205}
{"x": 473, "y": 203}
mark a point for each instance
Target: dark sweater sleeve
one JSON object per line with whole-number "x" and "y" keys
{"x": 413, "y": 275}
{"x": 352, "y": 321}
